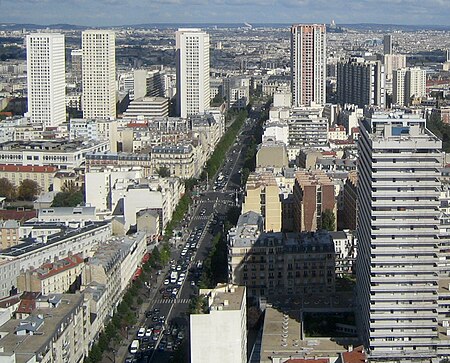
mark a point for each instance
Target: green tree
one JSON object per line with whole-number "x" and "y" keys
{"x": 68, "y": 199}
{"x": 28, "y": 189}
{"x": 7, "y": 189}
{"x": 328, "y": 220}
{"x": 163, "y": 172}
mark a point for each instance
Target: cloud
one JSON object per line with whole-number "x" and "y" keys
{"x": 118, "y": 12}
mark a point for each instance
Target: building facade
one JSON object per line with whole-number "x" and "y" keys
{"x": 308, "y": 64}
{"x": 99, "y": 74}
{"x": 192, "y": 60}
{"x": 46, "y": 79}
{"x": 361, "y": 82}
{"x": 398, "y": 210}
{"x": 223, "y": 328}
{"x": 313, "y": 195}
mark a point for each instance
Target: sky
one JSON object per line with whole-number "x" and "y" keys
{"x": 129, "y": 12}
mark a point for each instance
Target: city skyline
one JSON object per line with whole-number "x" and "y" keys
{"x": 114, "y": 13}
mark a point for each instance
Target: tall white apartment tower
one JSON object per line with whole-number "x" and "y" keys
{"x": 408, "y": 84}
{"x": 99, "y": 74}
{"x": 308, "y": 64}
{"x": 397, "y": 274}
{"x": 46, "y": 79}
{"x": 192, "y": 57}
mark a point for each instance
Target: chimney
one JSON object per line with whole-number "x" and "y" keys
{"x": 350, "y": 348}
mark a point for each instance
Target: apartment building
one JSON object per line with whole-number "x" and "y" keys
{"x": 192, "y": 60}
{"x": 262, "y": 196}
{"x": 80, "y": 239}
{"x": 274, "y": 263}
{"x": 313, "y": 195}
{"x": 99, "y": 74}
{"x": 183, "y": 160}
{"x": 42, "y": 175}
{"x": 361, "y": 82}
{"x": 114, "y": 265}
{"x": 398, "y": 210}
{"x": 59, "y": 154}
{"x": 56, "y": 330}
{"x": 46, "y": 79}
{"x": 9, "y": 233}
{"x": 223, "y": 328}
{"x": 52, "y": 277}
{"x": 308, "y": 64}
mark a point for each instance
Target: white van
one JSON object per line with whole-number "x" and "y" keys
{"x": 134, "y": 347}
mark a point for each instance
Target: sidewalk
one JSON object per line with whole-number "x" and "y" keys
{"x": 121, "y": 351}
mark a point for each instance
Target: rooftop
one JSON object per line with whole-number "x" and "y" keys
{"x": 49, "y": 317}
{"x": 228, "y": 297}
{"x": 282, "y": 338}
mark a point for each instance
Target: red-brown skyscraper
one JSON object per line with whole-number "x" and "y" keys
{"x": 308, "y": 64}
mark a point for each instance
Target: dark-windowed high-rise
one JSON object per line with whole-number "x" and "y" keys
{"x": 308, "y": 64}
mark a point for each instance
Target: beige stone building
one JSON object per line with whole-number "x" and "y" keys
{"x": 9, "y": 233}
{"x": 273, "y": 264}
{"x": 43, "y": 175}
{"x": 262, "y": 196}
{"x": 57, "y": 329}
{"x": 272, "y": 154}
{"x": 53, "y": 277}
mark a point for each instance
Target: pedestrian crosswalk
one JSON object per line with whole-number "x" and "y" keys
{"x": 203, "y": 218}
{"x": 172, "y": 301}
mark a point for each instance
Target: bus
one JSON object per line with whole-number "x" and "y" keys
{"x": 134, "y": 347}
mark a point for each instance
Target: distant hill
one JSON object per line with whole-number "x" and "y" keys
{"x": 16, "y": 26}
{"x": 338, "y": 28}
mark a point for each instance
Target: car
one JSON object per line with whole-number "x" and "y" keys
{"x": 141, "y": 332}
{"x": 162, "y": 346}
{"x": 162, "y": 319}
{"x": 155, "y": 310}
{"x": 155, "y": 337}
{"x": 180, "y": 282}
{"x": 192, "y": 283}
{"x": 180, "y": 335}
{"x": 166, "y": 282}
{"x": 179, "y": 267}
{"x": 148, "y": 332}
{"x": 148, "y": 314}
{"x": 157, "y": 329}
{"x": 169, "y": 289}
{"x": 174, "y": 292}
{"x": 182, "y": 275}
{"x": 169, "y": 346}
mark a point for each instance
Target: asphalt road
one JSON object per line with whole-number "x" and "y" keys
{"x": 213, "y": 201}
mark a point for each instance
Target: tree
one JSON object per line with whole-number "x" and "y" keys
{"x": 28, "y": 189}
{"x": 7, "y": 189}
{"x": 163, "y": 172}
{"x": 68, "y": 199}
{"x": 69, "y": 186}
{"x": 328, "y": 220}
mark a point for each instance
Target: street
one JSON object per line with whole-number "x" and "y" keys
{"x": 168, "y": 312}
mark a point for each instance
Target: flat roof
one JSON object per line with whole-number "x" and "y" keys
{"x": 33, "y": 244}
{"x": 282, "y": 337}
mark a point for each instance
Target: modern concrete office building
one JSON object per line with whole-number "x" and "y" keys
{"x": 192, "y": 62}
{"x": 99, "y": 74}
{"x": 46, "y": 79}
{"x": 220, "y": 334}
{"x": 398, "y": 210}
{"x": 308, "y": 64}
